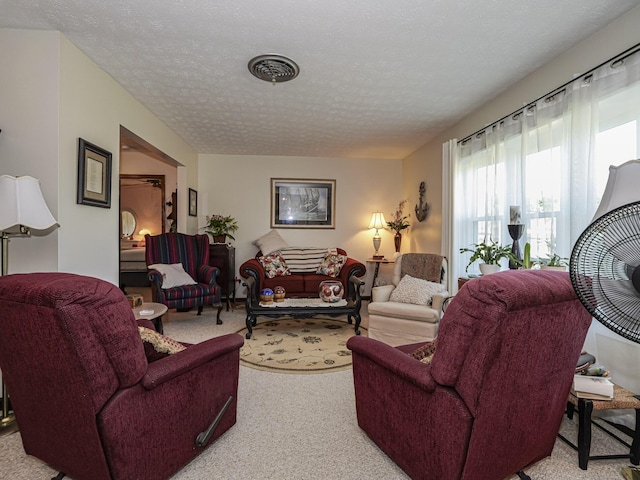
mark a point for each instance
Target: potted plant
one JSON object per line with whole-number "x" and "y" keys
{"x": 490, "y": 255}
{"x": 220, "y": 227}
{"x": 398, "y": 224}
{"x": 556, "y": 262}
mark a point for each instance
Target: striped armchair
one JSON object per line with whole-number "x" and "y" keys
{"x": 192, "y": 251}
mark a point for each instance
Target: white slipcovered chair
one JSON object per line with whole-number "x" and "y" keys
{"x": 413, "y": 313}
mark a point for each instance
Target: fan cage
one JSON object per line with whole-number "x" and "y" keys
{"x": 601, "y": 268}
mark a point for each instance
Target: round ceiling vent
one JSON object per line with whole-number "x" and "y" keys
{"x": 273, "y": 68}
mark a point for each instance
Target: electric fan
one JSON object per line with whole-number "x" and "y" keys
{"x": 605, "y": 270}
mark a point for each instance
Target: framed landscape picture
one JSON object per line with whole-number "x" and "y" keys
{"x": 302, "y": 203}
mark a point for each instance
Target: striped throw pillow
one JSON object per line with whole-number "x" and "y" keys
{"x": 305, "y": 259}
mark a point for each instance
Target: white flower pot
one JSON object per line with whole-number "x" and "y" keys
{"x": 488, "y": 268}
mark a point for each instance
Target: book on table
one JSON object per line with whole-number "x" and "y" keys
{"x": 591, "y": 396}
{"x": 595, "y": 385}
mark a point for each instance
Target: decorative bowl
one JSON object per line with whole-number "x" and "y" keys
{"x": 266, "y": 295}
{"x": 331, "y": 291}
{"x": 279, "y": 293}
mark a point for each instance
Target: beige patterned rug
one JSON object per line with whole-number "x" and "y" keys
{"x": 290, "y": 345}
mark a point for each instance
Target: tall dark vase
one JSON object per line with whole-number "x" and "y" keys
{"x": 515, "y": 231}
{"x": 397, "y": 241}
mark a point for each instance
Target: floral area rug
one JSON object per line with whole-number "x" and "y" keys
{"x": 290, "y": 345}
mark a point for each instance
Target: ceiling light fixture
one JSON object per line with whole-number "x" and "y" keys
{"x": 273, "y": 68}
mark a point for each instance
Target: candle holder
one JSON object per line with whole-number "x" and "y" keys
{"x": 515, "y": 231}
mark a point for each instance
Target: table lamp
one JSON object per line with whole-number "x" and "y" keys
{"x": 23, "y": 209}
{"x": 377, "y": 222}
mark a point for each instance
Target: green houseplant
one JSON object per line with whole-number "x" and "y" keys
{"x": 556, "y": 262}
{"x": 398, "y": 224}
{"x": 488, "y": 253}
{"x": 220, "y": 226}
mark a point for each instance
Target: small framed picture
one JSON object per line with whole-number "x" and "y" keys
{"x": 193, "y": 203}
{"x": 94, "y": 175}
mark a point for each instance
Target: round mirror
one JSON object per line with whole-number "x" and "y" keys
{"x": 128, "y": 223}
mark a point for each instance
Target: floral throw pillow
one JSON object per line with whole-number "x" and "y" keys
{"x": 274, "y": 265}
{"x": 331, "y": 265}
{"x": 425, "y": 352}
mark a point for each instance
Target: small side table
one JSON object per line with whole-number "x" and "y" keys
{"x": 622, "y": 399}
{"x": 158, "y": 310}
{"x": 378, "y": 261}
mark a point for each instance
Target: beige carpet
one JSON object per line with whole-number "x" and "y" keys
{"x": 284, "y": 430}
{"x": 290, "y": 345}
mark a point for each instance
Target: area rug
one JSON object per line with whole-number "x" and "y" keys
{"x": 290, "y": 345}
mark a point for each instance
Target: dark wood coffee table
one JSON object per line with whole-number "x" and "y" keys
{"x": 307, "y": 308}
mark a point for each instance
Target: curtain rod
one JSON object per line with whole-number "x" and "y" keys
{"x": 615, "y": 62}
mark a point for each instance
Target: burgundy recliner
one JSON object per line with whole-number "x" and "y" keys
{"x": 492, "y": 399}
{"x": 87, "y": 401}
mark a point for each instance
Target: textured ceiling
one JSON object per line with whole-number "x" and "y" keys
{"x": 378, "y": 78}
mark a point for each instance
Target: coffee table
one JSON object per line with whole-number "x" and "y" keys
{"x": 157, "y": 310}
{"x": 303, "y": 307}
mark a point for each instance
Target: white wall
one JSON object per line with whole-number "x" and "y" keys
{"x": 240, "y": 186}
{"x": 611, "y": 350}
{"x": 53, "y": 94}
{"x": 29, "y": 140}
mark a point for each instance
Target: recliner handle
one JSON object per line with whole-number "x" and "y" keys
{"x": 203, "y": 437}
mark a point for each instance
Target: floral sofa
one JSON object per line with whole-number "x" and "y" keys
{"x": 300, "y": 270}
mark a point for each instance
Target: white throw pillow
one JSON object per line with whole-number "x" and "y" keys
{"x": 415, "y": 290}
{"x": 305, "y": 259}
{"x": 271, "y": 242}
{"x": 173, "y": 275}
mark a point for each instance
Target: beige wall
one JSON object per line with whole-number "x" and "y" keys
{"x": 426, "y": 162}
{"x": 240, "y": 186}
{"x": 53, "y": 95}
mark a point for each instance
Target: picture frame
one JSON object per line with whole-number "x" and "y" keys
{"x": 193, "y": 203}
{"x": 302, "y": 203}
{"x": 94, "y": 175}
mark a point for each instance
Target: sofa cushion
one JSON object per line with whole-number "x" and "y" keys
{"x": 292, "y": 284}
{"x": 305, "y": 259}
{"x": 415, "y": 290}
{"x": 270, "y": 242}
{"x": 332, "y": 265}
{"x": 173, "y": 275}
{"x": 406, "y": 311}
{"x": 274, "y": 265}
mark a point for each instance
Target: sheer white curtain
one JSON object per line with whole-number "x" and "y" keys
{"x": 551, "y": 159}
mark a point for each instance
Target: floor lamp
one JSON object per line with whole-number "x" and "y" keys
{"x": 23, "y": 209}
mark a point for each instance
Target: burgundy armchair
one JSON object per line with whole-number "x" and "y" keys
{"x": 87, "y": 400}
{"x": 491, "y": 401}
{"x": 192, "y": 251}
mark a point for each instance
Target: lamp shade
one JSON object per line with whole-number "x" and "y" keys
{"x": 377, "y": 221}
{"x": 23, "y": 204}
{"x": 621, "y": 188}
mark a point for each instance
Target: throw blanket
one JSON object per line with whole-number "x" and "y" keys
{"x": 427, "y": 266}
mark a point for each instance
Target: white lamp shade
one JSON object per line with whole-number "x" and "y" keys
{"x": 377, "y": 221}
{"x": 622, "y": 187}
{"x": 23, "y": 204}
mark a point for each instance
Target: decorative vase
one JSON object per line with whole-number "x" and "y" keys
{"x": 331, "y": 291}
{"x": 219, "y": 239}
{"x": 279, "y": 293}
{"x": 397, "y": 241}
{"x": 488, "y": 268}
{"x": 266, "y": 296}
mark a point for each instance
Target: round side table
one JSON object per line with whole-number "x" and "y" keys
{"x": 151, "y": 311}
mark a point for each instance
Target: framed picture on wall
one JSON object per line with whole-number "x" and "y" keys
{"x": 94, "y": 175}
{"x": 302, "y": 203}
{"x": 193, "y": 203}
